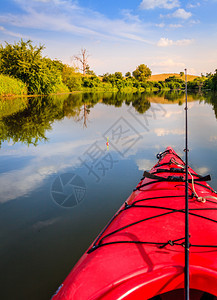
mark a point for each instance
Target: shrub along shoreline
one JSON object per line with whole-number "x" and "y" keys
{"x": 76, "y": 82}
{"x": 11, "y": 86}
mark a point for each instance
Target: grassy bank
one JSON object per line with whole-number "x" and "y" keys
{"x": 10, "y": 86}
{"x": 109, "y": 89}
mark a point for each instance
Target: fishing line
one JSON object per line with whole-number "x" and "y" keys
{"x": 186, "y": 287}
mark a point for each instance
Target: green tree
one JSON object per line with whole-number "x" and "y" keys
{"x": 25, "y": 62}
{"x": 71, "y": 78}
{"x": 208, "y": 75}
{"x": 197, "y": 83}
{"x": 118, "y": 75}
{"x": 136, "y": 84}
{"x": 128, "y": 74}
{"x": 105, "y": 77}
{"x": 120, "y": 84}
{"x": 109, "y": 78}
{"x": 88, "y": 71}
{"x": 214, "y": 81}
{"x": 58, "y": 64}
{"x": 174, "y": 83}
{"x": 91, "y": 82}
{"x": 142, "y": 73}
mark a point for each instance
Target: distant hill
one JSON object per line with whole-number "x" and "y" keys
{"x": 162, "y": 77}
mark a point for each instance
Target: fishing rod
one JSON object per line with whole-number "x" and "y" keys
{"x": 186, "y": 286}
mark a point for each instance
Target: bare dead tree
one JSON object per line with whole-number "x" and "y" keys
{"x": 82, "y": 59}
{"x": 83, "y": 115}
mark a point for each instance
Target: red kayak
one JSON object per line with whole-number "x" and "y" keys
{"x": 140, "y": 253}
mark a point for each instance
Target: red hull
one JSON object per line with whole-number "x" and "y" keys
{"x": 146, "y": 259}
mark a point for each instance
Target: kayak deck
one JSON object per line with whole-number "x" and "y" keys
{"x": 140, "y": 253}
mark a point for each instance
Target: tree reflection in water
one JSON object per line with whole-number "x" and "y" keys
{"x": 27, "y": 120}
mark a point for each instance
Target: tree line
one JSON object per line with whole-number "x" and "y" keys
{"x": 34, "y": 74}
{"x": 205, "y": 82}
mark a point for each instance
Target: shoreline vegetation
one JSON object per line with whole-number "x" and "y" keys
{"x": 25, "y": 72}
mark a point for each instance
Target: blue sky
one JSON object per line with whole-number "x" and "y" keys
{"x": 166, "y": 35}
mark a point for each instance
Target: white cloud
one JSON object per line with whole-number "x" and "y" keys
{"x": 145, "y": 164}
{"x": 127, "y": 13}
{"x": 169, "y": 65}
{"x": 47, "y": 162}
{"x": 151, "y": 4}
{"x": 18, "y": 183}
{"x": 175, "y": 25}
{"x": 193, "y": 71}
{"x": 165, "y": 42}
{"x": 7, "y": 32}
{"x": 64, "y": 26}
{"x": 213, "y": 138}
{"x": 184, "y": 42}
{"x": 66, "y": 17}
{"x": 164, "y": 131}
{"x": 181, "y": 14}
{"x": 42, "y": 224}
{"x": 202, "y": 170}
{"x": 161, "y": 25}
{"x": 45, "y": 1}
{"x": 193, "y": 5}
{"x": 52, "y": 4}
{"x": 173, "y": 113}
{"x": 194, "y": 22}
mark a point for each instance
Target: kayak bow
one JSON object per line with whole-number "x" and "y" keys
{"x": 140, "y": 254}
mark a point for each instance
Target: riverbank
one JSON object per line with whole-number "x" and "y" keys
{"x": 12, "y": 87}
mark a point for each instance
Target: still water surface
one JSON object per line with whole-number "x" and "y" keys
{"x": 46, "y": 143}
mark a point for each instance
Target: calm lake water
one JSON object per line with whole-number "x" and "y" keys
{"x": 60, "y": 183}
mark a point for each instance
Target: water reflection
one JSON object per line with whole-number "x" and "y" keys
{"x": 41, "y": 240}
{"x": 28, "y": 120}
{"x": 211, "y": 98}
